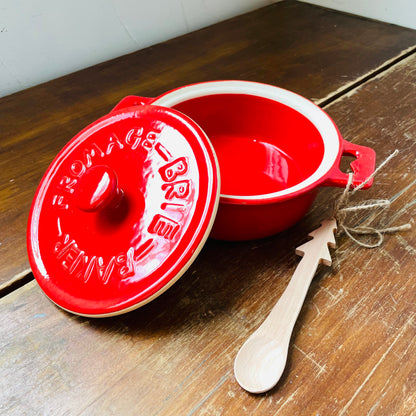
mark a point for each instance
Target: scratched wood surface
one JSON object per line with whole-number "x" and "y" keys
{"x": 306, "y": 49}
{"x": 353, "y": 350}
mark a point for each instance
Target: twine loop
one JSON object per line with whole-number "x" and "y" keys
{"x": 343, "y": 212}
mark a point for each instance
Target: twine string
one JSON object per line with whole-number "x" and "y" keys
{"x": 342, "y": 212}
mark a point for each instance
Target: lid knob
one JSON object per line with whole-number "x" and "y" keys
{"x": 97, "y": 189}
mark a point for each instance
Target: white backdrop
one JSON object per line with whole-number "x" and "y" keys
{"x": 399, "y": 12}
{"x": 44, "y": 39}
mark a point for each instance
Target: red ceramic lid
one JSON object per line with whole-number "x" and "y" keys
{"x": 123, "y": 210}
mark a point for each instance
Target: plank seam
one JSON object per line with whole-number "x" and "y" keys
{"x": 17, "y": 282}
{"x": 325, "y": 102}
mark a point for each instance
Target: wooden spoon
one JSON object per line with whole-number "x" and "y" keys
{"x": 262, "y": 358}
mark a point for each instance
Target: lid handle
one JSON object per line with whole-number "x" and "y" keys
{"x": 98, "y": 189}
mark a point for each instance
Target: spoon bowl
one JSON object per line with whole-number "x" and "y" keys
{"x": 270, "y": 361}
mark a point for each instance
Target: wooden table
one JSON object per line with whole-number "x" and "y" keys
{"x": 353, "y": 350}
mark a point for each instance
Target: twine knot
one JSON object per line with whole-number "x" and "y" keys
{"x": 343, "y": 212}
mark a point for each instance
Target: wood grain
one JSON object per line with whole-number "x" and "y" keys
{"x": 307, "y": 49}
{"x": 353, "y": 350}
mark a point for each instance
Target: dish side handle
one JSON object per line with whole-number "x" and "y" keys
{"x": 131, "y": 101}
{"x": 363, "y": 166}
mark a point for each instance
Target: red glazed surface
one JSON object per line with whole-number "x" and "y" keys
{"x": 122, "y": 211}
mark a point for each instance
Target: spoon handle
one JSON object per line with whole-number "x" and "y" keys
{"x": 262, "y": 358}
{"x": 282, "y": 318}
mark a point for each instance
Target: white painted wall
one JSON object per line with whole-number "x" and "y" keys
{"x": 399, "y": 12}
{"x": 44, "y": 39}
